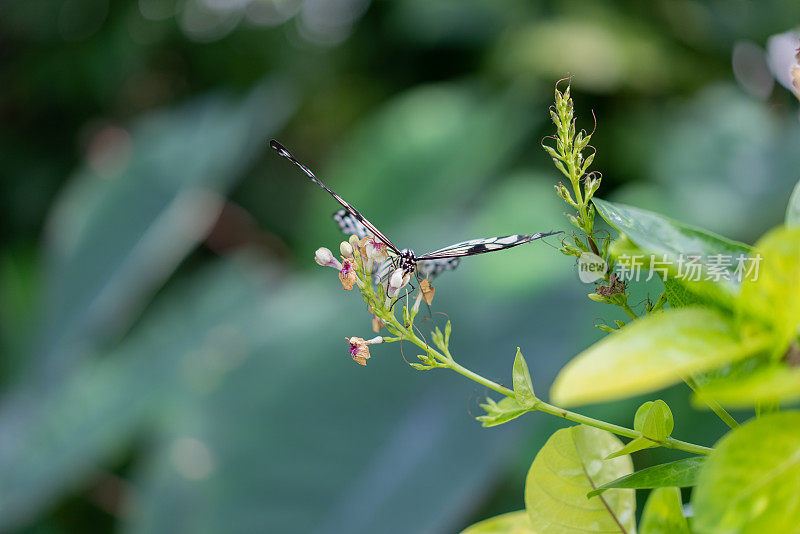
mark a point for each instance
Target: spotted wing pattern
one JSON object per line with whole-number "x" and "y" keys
{"x": 283, "y": 151}
{"x": 349, "y": 225}
{"x": 481, "y": 246}
{"x": 433, "y": 268}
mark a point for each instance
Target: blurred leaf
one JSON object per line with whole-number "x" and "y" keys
{"x": 722, "y": 160}
{"x": 114, "y": 238}
{"x": 510, "y": 523}
{"x": 501, "y": 412}
{"x": 682, "y": 473}
{"x": 772, "y": 383}
{"x": 426, "y": 149}
{"x": 772, "y": 293}
{"x": 793, "y": 209}
{"x": 569, "y": 466}
{"x": 651, "y": 353}
{"x": 523, "y": 385}
{"x": 523, "y": 203}
{"x": 749, "y": 483}
{"x": 663, "y": 513}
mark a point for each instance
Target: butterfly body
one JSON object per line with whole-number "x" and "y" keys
{"x": 351, "y": 222}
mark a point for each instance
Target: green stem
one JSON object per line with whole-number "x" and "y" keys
{"x": 711, "y": 403}
{"x": 626, "y": 307}
{"x": 669, "y": 443}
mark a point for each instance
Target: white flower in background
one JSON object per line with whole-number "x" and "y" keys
{"x": 782, "y": 56}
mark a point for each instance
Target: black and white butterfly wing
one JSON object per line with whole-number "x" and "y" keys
{"x": 433, "y": 268}
{"x": 283, "y": 151}
{"x": 349, "y": 225}
{"x": 481, "y": 246}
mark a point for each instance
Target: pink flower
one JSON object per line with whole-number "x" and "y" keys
{"x": 375, "y": 249}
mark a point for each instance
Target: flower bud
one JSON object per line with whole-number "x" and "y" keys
{"x": 396, "y": 281}
{"x": 324, "y": 257}
{"x": 346, "y": 249}
{"x": 354, "y": 242}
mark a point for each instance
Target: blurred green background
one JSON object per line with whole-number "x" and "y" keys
{"x": 172, "y": 358}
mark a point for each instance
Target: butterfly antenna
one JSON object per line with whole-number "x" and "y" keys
{"x": 284, "y": 152}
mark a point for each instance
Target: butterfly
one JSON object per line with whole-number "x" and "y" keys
{"x": 352, "y": 222}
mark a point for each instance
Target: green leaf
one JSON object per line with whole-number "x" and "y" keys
{"x": 510, "y": 523}
{"x": 749, "y": 483}
{"x": 635, "y": 445}
{"x": 663, "y": 513}
{"x": 769, "y": 384}
{"x": 669, "y": 241}
{"x": 651, "y": 353}
{"x": 772, "y": 294}
{"x": 523, "y": 385}
{"x": 654, "y": 420}
{"x": 568, "y": 467}
{"x": 793, "y": 209}
{"x": 501, "y": 412}
{"x": 682, "y": 473}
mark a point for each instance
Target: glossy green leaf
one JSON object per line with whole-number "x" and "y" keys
{"x": 510, "y": 523}
{"x": 793, "y": 209}
{"x": 651, "y": 353}
{"x": 501, "y": 412}
{"x": 670, "y": 242}
{"x": 772, "y": 293}
{"x": 769, "y": 384}
{"x": 682, "y": 473}
{"x": 566, "y": 468}
{"x": 749, "y": 483}
{"x": 523, "y": 385}
{"x": 663, "y": 513}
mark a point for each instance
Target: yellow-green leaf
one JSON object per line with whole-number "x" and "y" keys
{"x": 568, "y": 467}
{"x": 634, "y": 445}
{"x": 510, "y": 523}
{"x": 523, "y": 385}
{"x": 750, "y": 482}
{"x": 773, "y": 295}
{"x": 501, "y": 412}
{"x": 654, "y": 420}
{"x": 663, "y": 513}
{"x": 651, "y": 353}
{"x": 766, "y": 385}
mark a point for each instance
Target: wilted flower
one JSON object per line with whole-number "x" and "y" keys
{"x": 359, "y": 349}
{"x": 347, "y": 274}
{"x": 427, "y": 291}
{"x": 324, "y": 257}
